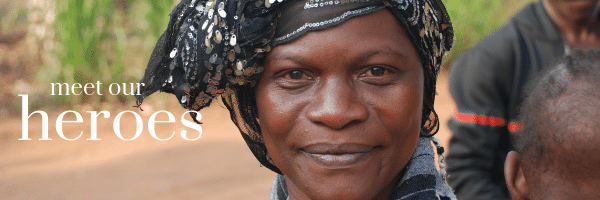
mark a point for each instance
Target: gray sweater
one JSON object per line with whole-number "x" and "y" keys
{"x": 486, "y": 82}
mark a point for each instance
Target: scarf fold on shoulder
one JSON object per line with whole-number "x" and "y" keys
{"x": 420, "y": 181}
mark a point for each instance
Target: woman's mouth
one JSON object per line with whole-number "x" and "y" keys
{"x": 337, "y": 156}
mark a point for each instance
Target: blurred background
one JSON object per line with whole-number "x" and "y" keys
{"x": 85, "y": 41}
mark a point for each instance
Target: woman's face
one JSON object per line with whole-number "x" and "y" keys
{"x": 340, "y": 108}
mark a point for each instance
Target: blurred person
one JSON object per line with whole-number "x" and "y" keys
{"x": 555, "y": 153}
{"x": 487, "y": 81}
{"x": 336, "y": 97}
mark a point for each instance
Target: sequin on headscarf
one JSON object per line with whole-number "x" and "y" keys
{"x": 215, "y": 48}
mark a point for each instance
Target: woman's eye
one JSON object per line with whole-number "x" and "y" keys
{"x": 379, "y": 75}
{"x": 295, "y": 74}
{"x": 294, "y": 79}
{"x": 376, "y": 71}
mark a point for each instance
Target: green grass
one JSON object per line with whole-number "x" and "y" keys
{"x": 104, "y": 41}
{"x": 475, "y": 19}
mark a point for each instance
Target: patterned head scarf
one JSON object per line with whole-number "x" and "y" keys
{"x": 216, "y": 48}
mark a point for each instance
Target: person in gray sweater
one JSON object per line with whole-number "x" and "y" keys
{"x": 487, "y": 83}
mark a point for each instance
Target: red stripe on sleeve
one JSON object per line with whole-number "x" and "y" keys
{"x": 478, "y": 119}
{"x": 484, "y": 120}
{"x": 514, "y": 127}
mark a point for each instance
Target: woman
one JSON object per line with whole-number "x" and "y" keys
{"x": 334, "y": 96}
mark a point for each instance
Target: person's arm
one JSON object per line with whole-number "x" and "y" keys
{"x": 478, "y": 83}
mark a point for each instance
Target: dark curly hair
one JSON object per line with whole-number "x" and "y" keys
{"x": 560, "y": 112}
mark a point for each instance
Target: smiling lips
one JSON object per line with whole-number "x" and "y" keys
{"x": 337, "y": 156}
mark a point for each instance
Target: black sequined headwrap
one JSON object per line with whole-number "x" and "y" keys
{"x": 215, "y": 48}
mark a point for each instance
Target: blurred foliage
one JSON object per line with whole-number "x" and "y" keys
{"x": 12, "y": 16}
{"x": 15, "y": 57}
{"x": 111, "y": 40}
{"x": 107, "y": 41}
{"x": 475, "y": 19}
{"x": 157, "y": 16}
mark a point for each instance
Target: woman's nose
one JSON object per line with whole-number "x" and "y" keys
{"x": 337, "y": 105}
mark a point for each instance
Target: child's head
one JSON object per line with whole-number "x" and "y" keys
{"x": 559, "y": 146}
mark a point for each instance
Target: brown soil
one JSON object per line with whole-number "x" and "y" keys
{"x": 216, "y": 166}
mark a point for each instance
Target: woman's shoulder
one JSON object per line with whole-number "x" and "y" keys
{"x": 421, "y": 179}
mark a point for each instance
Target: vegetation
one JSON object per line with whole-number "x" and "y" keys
{"x": 106, "y": 41}
{"x": 475, "y": 19}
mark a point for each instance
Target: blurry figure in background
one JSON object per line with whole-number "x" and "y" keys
{"x": 487, "y": 80}
{"x": 556, "y": 151}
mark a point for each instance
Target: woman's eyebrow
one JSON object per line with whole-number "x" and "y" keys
{"x": 382, "y": 50}
{"x": 289, "y": 57}
{"x": 299, "y": 59}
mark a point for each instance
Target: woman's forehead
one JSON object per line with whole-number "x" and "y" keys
{"x": 364, "y": 36}
{"x": 298, "y": 17}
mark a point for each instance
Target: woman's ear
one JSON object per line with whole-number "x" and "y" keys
{"x": 513, "y": 174}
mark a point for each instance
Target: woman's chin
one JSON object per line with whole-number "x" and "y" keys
{"x": 354, "y": 178}
{"x": 342, "y": 189}
{"x": 338, "y": 189}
